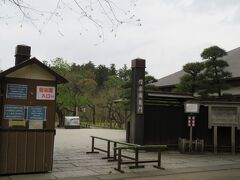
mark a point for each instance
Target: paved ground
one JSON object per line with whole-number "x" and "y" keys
{"x": 72, "y": 162}
{"x": 232, "y": 174}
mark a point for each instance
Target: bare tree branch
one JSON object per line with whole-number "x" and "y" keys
{"x": 96, "y": 11}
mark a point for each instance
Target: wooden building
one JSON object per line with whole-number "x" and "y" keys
{"x": 159, "y": 117}
{"x": 27, "y": 114}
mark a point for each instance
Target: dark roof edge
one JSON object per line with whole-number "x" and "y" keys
{"x": 174, "y": 85}
{"x": 232, "y": 50}
{"x": 60, "y": 79}
{"x": 168, "y": 93}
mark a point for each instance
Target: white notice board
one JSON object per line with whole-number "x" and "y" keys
{"x": 191, "y": 107}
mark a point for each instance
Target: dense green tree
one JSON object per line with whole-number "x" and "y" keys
{"x": 124, "y": 73}
{"x": 60, "y": 65}
{"x": 102, "y": 73}
{"x": 83, "y": 68}
{"x": 192, "y": 80}
{"x": 112, "y": 70}
{"x": 149, "y": 79}
{"x": 74, "y": 95}
{"x": 111, "y": 104}
{"x": 97, "y": 94}
{"x": 215, "y": 72}
{"x": 63, "y": 68}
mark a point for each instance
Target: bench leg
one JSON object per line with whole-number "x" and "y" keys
{"x": 136, "y": 161}
{"x": 159, "y": 161}
{"x": 108, "y": 151}
{"x": 92, "y": 150}
{"x": 114, "y": 158}
{"x": 119, "y": 162}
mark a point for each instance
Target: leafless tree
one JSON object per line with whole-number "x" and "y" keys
{"x": 103, "y": 14}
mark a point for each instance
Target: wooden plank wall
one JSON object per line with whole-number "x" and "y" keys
{"x": 165, "y": 124}
{"x": 26, "y": 151}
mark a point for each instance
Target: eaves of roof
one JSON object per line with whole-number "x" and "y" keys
{"x": 60, "y": 79}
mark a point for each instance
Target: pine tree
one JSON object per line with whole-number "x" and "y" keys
{"x": 215, "y": 72}
{"x": 191, "y": 81}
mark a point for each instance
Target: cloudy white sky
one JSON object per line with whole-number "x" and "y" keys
{"x": 173, "y": 32}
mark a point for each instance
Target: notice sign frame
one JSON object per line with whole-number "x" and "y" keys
{"x": 191, "y": 107}
{"x": 19, "y": 123}
{"x": 35, "y": 124}
{"x": 36, "y": 113}
{"x": 16, "y": 91}
{"x": 45, "y": 93}
{"x": 14, "y": 112}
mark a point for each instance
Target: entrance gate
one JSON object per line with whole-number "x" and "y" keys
{"x": 163, "y": 121}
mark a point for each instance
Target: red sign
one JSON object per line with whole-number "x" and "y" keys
{"x": 45, "y": 93}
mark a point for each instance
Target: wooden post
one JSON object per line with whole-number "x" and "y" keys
{"x": 190, "y": 139}
{"x": 137, "y": 102}
{"x": 215, "y": 139}
{"x": 233, "y": 139}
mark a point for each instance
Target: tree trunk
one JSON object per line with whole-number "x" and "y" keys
{"x": 219, "y": 92}
{"x": 125, "y": 118}
{"x": 94, "y": 115}
{"x": 76, "y": 111}
{"x": 61, "y": 122}
{"x": 93, "y": 108}
{"x": 193, "y": 85}
{"x": 109, "y": 114}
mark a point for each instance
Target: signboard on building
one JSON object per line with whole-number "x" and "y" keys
{"x": 45, "y": 93}
{"x": 191, "y": 107}
{"x": 140, "y": 87}
{"x": 35, "y": 124}
{"x": 16, "y": 91}
{"x": 226, "y": 116}
{"x": 36, "y": 113}
{"x": 13, "y": 123}
{"x": 14, "y": 112}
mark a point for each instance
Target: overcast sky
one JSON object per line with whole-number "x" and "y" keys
{"x": 172, "y": 33}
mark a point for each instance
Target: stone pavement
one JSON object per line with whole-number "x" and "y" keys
{"x": 72, "y": 162}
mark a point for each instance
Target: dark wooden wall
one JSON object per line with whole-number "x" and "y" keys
{"x": 165, "y": 124}
{"x": 26, "y": 151}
